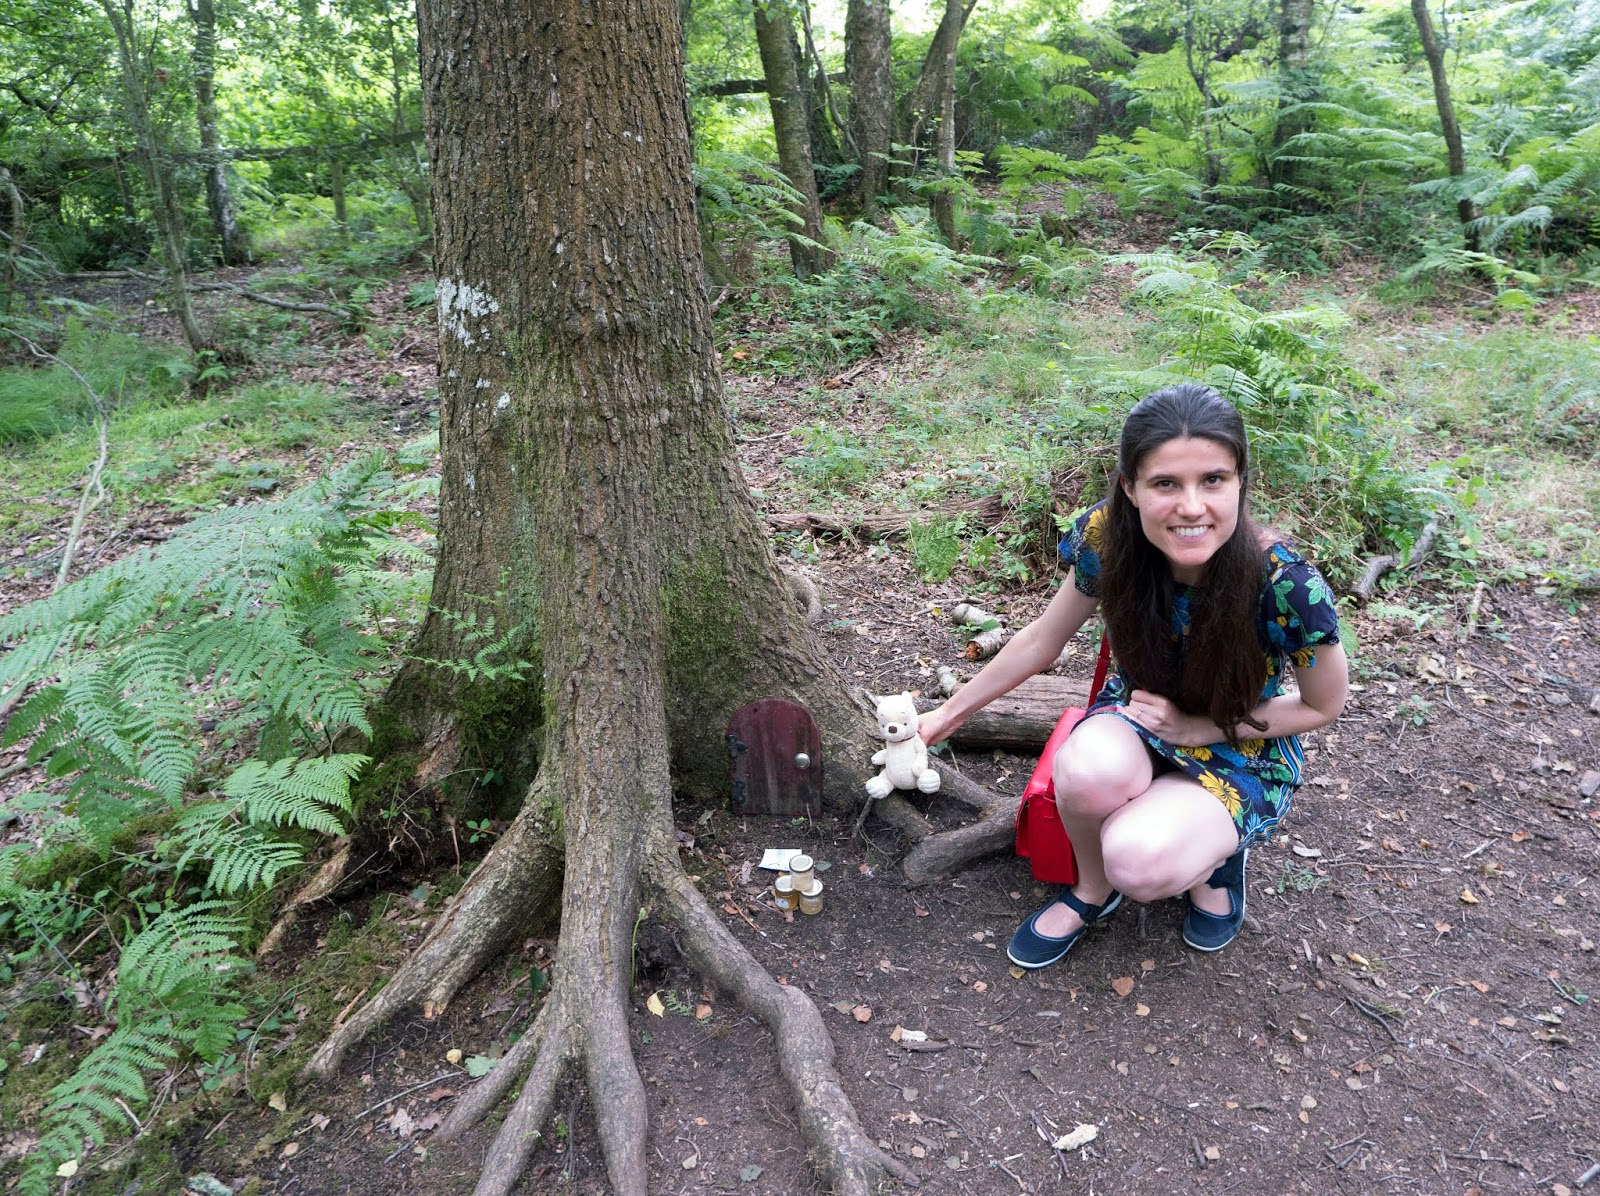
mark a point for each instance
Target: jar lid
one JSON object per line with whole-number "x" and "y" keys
{"x": 800, "y": 863}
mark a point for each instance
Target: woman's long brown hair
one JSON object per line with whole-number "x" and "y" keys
{"x": 1222, "y": 667}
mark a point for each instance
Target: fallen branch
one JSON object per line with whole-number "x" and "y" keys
{"x": 990, "y": 510}
{"x": 257, "y": 296}
{"x": 1381, "y": 565}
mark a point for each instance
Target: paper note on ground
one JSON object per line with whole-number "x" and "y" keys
{"x": 777, "y": 858}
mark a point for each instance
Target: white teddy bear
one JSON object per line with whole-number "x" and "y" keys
{"x": 904, "y": 757}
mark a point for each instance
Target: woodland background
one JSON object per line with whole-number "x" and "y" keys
{"x": 945, "y": 247}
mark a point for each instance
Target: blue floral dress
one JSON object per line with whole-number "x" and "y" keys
{"x": 1256, "y": 779}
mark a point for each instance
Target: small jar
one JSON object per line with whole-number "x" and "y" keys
{"x": 783, "y": 892}
{"x": 800, "y": 867}
{"x": 811, "y": 899}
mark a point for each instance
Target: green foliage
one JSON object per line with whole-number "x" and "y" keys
{"x": 173, "y": 984}
{"x": 935, "y": 547}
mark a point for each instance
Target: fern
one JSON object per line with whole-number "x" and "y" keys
{"x": 173, "y": 981}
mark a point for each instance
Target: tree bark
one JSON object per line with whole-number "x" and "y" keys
{"x": 341, "y": 210}
{"x": 791, "y": 127}
{"x": 1294, "y": 61}
{"x": 155, "y": 164}
{"x": 16, "y": 238}
{"x": 1455, "y": 153}
{"x": 1201, "y": 74}
{"x": 925, "y": 100}
{"x": 944, "y": 199}
{"x": 218, "y": 201}
{"x": 592, "y": 501}
{"x": 869, "y": 69}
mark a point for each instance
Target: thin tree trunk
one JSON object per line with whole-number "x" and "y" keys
{"x": 341, "y": 211}
{"x": 1455, "y": 153}
{"x": 1202, "y": 80}
{"x": 1294, "y": 61}
{"x": 156, "y": 166}
{"x": 823, "y": 114}
{"x": 944, "y": 200}
{"x": 218, "y": 201}
{"x": 16, "y": 238}
{"x": 791, "y": 127}
{"x": 925, "y": 100}
{"x": 869, "y": 67}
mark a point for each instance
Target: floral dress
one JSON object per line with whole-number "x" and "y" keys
{"x": 1256, "y": 779}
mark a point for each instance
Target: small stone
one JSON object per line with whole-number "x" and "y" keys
{"x": 1557, "y": 699}
{"x": 1589, "y": 784}
{"x": 1594, "y": 704}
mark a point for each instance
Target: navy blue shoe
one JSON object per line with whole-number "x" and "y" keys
{"x": 1212, "y": 932}
{"x": 1030, "y": 949}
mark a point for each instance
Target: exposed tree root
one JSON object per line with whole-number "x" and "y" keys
{"x": 948, "y": 852}
{"x": 520, "y": 877}
{"x": 848, "y": 1162}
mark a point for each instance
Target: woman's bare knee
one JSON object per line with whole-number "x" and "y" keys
{"x": 1100, "y": 767}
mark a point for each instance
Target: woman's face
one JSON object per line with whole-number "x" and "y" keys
{"x": 1187, "y": 493}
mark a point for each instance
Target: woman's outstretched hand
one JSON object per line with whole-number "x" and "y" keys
{"x": 935, "y": 725}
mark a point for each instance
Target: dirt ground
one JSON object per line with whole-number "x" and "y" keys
{"x": 1408, "y": 1010}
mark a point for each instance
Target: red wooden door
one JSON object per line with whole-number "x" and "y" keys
{"x": 775, "y": 757}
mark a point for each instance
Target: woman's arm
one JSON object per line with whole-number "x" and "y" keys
{"x": 1324, "y": 686}
{"x": 1028, "y": 652}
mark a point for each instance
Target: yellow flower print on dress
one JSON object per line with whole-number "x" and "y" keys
{"x": 1303, "y": 657}
{"x": 1223, "y": 792}
{"x": 1094, "y": 532}
{"x": 1197, "y": 753}
{"x": 1251, "y": 747}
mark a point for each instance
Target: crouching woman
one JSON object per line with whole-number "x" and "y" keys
{"x": 1190, "y": 753}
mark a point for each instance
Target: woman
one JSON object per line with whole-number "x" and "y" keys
{"x": 1188, "y": 756}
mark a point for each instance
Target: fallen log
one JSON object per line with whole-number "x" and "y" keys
{"x": 990, "y": 511}
{"x": 1378, "y": 566}
{"x": 1022, "y": 720}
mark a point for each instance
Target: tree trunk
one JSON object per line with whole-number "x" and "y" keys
{"x": 1201, "y": 74}
{"x": 590, "y": 496}
{"x": 1294, "y": 61}
{"x": 791, "y": 128}
{"x": 218, "y": 202}
{"x": 928, "y": 96}
{"x": 16, "y": 238}
{"x": 944, "y": 199}
{"x": 155, "y": 164}
{"x": 1455, "y": 154}
{"x": 869, "y": 68}
{"x": 341, "y": 210}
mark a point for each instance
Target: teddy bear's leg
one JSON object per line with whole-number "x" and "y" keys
{"x": 928, "y": 782}
{"x": 879, "y": 786}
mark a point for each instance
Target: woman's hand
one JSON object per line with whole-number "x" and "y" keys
{"x": 1162, "y": 718}
{"x": 936, "y": 725}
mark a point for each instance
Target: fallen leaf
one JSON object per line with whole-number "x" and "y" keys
{"x": 401, "y": 1123}
{"x": 1354, "y": 1083}
{"x": 980, "y": 986}
{"x": 1147, "y": 965}
{"x": 690, "y": 1163}
{"x": 1479, "y": 985}
{"x": 912, "y": 1036}
{"x": 277, "y": 1101}
{"x": 1212, "y": 1154}
{"x": 479, "y": 1066}
{"x": 1081, "y": 1136}
{"x": 1443, "y": 927}
{"x": 1468, "y": 897}
{"x": 1507, "y": 1021}
{"x": 290, "y": 1149}
{"x": 701, "y": 1012}
{"x": 654, "y": 1005}
{"x": 862, "y": 1013}
{"x": 68, "y": 1169}
{"x": 751, "y": 1173}
{"x": 1017, "y": 973}
{"x": 1307, "y": 853}
{"x": 700, "y": 1121}
{"x": 1360, "y": 961}
{"x": 1308, "y": 1101}
{"x": 453, "y": 1055}
{"x": 1520, "y": 836}
{"x": 319, "y": 1121}
{"x": 1305, "y": 1118}
{"x": 1123, "y": 985}
{"x": 920, "y": 912}
{"x": 1141, "y": 1011}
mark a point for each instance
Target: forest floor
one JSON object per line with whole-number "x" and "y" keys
{"x": 1408, "y": 1010}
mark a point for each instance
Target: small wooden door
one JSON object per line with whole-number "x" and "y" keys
{"x": 775, "y": 758}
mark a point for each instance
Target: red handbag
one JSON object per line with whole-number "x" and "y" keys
{"x": 1041, "y": 839}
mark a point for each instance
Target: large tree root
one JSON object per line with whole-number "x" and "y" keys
{"x": 948, "y": 852}
{"x": 520, "y": 877}
{"x": 847, "y": 1161}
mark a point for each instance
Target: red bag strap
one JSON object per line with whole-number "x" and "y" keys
{"x": 1101, "y": 665}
